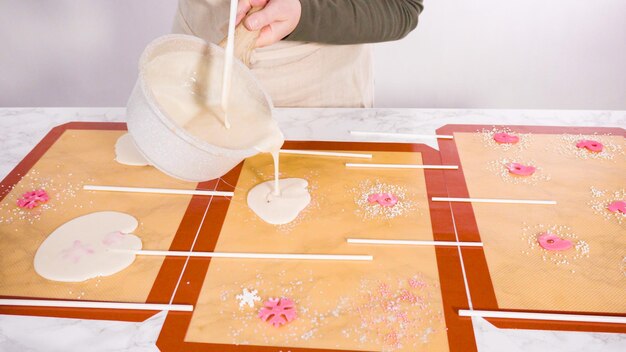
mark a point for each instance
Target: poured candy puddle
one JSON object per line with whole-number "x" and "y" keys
{"x": 126, "y": 152}
{"x": 83, "y": 248}
{"x": 282, "y": 208}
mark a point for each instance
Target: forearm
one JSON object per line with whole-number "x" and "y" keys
{"x": 356, "y": 21}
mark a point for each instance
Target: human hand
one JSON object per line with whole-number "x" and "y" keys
{"x": 276, "y": 20}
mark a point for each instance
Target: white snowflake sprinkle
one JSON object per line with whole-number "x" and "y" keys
{"x": 248, "y": 297}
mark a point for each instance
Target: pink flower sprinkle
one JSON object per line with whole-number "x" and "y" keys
{"x": 113, "y": 238}
{"x": 520, "y": 169}
{"x": 384, "y": 199}
{"x": 505, "y": 138}
{"x": 278, "y": 311}
{"x": 77, "y": 251}
{"x": 617, "y": 206}
{"x": 590, "y": 145}
{"x": 33, "y": 199}
{"x": 552, "y": 242}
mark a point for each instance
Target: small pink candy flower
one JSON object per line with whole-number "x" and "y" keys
{"x": 33, "y": 199}
{"x": 520, "y": 169}
{"x": 278, "y": 311}
{"x": 384, "y": 199}
{"x": 617, "y": 206}
{"x": 505, "y": 138}
{"x": 590, "y": 145}
{"x": 552, "y": 242}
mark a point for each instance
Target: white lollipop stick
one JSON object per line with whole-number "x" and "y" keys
{"x": 542, "y": 316}
{"x": 414, "y": 243}
{"x": 157, "y": 190}
{"x": 250, "y": 255}
{"x": 491, "y": 200}
{"x": 95, "y": 305}
{"x": 318, "y": 153}
{"x": 401, "y": 135}
{"x": 403, "y": 166}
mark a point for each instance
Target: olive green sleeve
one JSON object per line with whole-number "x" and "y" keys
{"x": 356, "y": 21}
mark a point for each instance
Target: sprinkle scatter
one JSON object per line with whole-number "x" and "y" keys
{"x": 597, "y": 146}
{"x": 564, "y": 249}
{"x": 399, "y": 204}
{"x": 51, "y": 193}
{"x": 248, "y": 298}
{"x": 517, "y": 171}
{"x": 504, "y": 139}
{"x": 278, "y": 311}
{"x": 608, "y": 204}
{"x": 396, "y": 315}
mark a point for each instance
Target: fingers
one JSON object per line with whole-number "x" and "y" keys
{"x": 273, "y": 33}
{"x": 258, "y": 3}
{"x": 244, "y": 6}
{"x": 272, "y": 12}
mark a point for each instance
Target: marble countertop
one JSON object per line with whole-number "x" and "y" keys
{"x": 22, "y": 128}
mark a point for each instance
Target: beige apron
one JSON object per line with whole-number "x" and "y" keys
{"x": 295, "y": 74}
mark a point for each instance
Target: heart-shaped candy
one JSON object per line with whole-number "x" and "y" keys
{"x": 384, "y": 199}
{"x": 520, "y": 169}
{"x": 590, "y": 145}
{"x": 552, "y": 242}
{"x": 505, "y": 138}
{"x": 617, "y": 206}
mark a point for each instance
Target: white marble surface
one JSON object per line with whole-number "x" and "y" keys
{"x": 21, "y": 129}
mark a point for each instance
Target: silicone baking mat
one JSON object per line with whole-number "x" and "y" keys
{"x": 514, "y": 272}
{"x": 69, "y": 157}
{"x": 406, "y": 299}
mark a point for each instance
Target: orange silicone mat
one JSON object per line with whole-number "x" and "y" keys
{"x": 513, "y": 272}
{"x": 341, "y": 306}
{"x": 70, "y": 156}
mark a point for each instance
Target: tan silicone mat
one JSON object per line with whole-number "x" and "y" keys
{"x": 588, "y": 278}
{"x": 341, "y": 305}
{"x": 78, "y": 157}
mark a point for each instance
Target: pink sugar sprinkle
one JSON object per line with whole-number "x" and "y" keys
{"x": 32, "y": 199}
{"x": 414, "y": 283}
{"x": 278, "y": 311}
{"x": 391, "y": 338}
{"x": 113, "y": 238}
{"x": 407, "y": 296}
{"x": 383, "y": 290}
